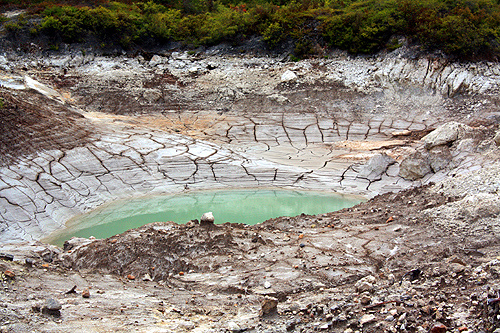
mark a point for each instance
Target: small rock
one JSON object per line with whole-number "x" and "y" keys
{"x": 376, "y": 166}
{"x": 365, "y": 299}
{"x": 438, "y": 328}
{"x": 365, "y": 284}
{"x": 7, "y": 256}
{"x": 156, "y": 60}
{"x": 207, "y": 218}
{"x": 86, "y": 293}
{"x": 29, "y": 262}
{"x": 280, "y": 99}
{"x": 288, "y": 76}
{"x": 47, "y": 256}
{"x": 71, "y": 291}
{"x": 496, "y": 139}
{"x": 269, "y": 306}
{"x": 325, "y": 326}
{"x": 9, "y": 274}
{"x": 152, "y": 95}
{"x": 52, "y": 307}
{"x": 456, "y": 267}
{"x": 415, "y": 166}
{"x": 367, "y": 318}
{"x": 130, "y": 277}
{"x": 233, "y": 327}
{"x": 147, "y": 277}
{"x": 401, "y": 133}
{"x": 267, "y": 284}
{"x": 194, "y": 69}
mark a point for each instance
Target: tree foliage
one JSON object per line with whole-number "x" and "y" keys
{"x": 463, "y": 28}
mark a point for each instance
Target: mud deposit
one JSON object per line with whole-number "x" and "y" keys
{"x": 417, "y": 135}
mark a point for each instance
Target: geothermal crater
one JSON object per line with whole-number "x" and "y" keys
{"x": 415, "y": 135}
{"x": 125, "y": 127}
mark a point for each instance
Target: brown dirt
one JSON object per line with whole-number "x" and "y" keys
{"x": 31, "y": 123}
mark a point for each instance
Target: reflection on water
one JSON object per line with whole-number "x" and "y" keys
{"x": 242, "y": 206}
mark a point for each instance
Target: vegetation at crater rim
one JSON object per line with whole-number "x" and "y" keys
{"x": 463, "y": 28}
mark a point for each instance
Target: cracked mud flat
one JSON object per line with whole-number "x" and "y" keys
{"x": 112, "y": 128}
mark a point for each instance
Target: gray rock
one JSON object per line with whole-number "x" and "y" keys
{"x": 233, "y": 327}
{"x": 156, "y": 60}
{"x": 496, "y": 138}
{"x": 207, "y": 218}
{"x": 376, "y": 166}
{"x": 415, "y": 166}
{"x": 269, "y": 306}
{"x": 367, "y": 318}
{"x": 52, "y": 304}
{"x": 444, "y": 134}
{"x": 152, "y": 95}
{"x": 288, "y": 76}
{"x": 439, "y": 158}
{"x": 365, "y": 284}
{"x": 194, "y": 70}
{"x": 6, "y": 256}
{"x": 52, "y": 307}
{"x": 280, "y": 99}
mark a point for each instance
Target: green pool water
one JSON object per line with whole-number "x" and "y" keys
{"x": 242, "y": 206}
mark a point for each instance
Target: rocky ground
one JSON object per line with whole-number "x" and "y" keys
{"x": 419, "y": 136}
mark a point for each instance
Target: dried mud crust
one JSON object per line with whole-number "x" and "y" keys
{"x": 30, "y": 123}
{"x": 313, "y": 264}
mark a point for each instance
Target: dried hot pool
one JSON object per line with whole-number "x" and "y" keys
{"x": 242, "y": 206}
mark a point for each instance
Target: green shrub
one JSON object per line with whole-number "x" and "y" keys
{"x": 165, "y": 25}
{"x": 363, "y": 27}
{"x": 464, "y": 28}
{"x": 273, "y": 34}
{"x": 223, "y": 24}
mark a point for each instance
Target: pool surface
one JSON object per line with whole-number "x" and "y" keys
{"x": 239, "y": 206}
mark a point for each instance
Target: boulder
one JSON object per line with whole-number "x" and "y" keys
{"x": 156, "y": 60}
{"x": 207, "y": 218}
{"x": 415, "y": 166}
{"x": 376, "y": 166}
{"x": 496, "y": 138}
{"x": 444, "y": 134}
{"x": 439, "y": 158}
{"x": 288, "y": 76}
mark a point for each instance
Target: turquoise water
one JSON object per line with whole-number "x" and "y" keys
{"x": 242, "y": 206}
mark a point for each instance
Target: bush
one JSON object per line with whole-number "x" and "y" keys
{"x": 463, "y": 28}
{"x": 363, "y": 27}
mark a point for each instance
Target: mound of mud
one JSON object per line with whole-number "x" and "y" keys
{"x": 30, "y": 123}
